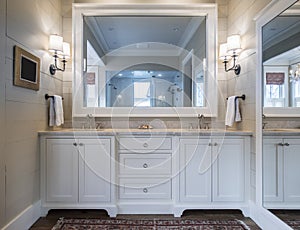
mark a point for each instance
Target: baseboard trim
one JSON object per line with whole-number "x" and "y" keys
{"x": 26, "y": 218}
{"x": 265, "y": 219}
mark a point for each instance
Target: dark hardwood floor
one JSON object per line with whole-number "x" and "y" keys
{"x": 50, "y": 220}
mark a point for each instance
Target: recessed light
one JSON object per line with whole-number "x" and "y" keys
{"x": 120, "y": 74}
{"x": 160, "y": 75}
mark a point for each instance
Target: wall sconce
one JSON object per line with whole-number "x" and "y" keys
{"x": 59, "y": 49}
{"x": 229, "y": 50}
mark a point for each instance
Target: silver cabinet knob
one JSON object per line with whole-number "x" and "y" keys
{"x": 145, "y": 190}
{"x": 286, "y": 144}
{"x": 75, "y": 144}
{"x": 145, "y": 145}
{"x": 215, "y": 144}
{"x": 80, "y": 144}
{"x": 280, "y": 144}
{"x": 145, "y": 165}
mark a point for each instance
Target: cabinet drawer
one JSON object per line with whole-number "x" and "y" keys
{"x": 145, "y": 188}
{"x": 145, "y": 164}
{"x": 145, "y": 143}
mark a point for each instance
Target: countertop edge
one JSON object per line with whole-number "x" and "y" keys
{"x": 174, "y": 132}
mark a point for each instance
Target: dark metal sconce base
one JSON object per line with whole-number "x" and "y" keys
{"x": 52, "y": 69}
{"x": 237, "y": 69}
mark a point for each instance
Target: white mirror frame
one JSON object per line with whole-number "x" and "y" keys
{"x": 277, "y": 111}
{"x": 92, "y": 9}
{"x": 262, "y": 216}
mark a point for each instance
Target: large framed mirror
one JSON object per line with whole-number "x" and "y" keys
{"x": 277, "y": 140}
{"x": 144, "y": 60}
{"x": 281, "y": 64}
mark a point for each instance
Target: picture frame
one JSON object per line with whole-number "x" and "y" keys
{"x": 26, "y": 69}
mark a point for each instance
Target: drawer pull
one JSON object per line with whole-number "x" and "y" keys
{"x": 145, "y": 190}
{"x": 286, "y": 144}
{"x": 80, "y": 144}
{"x": 145, "y": 145}
{"x": 215, "y": 144}
{"x": 145, "y": 165}
{"x": 75, "y": 144}
{"x": 280, "y": 144}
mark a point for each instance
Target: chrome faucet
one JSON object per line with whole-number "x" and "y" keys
{"x": 264, "y": 122}
{"x": 200, "y": 120}
{"x": 89, "y": 120}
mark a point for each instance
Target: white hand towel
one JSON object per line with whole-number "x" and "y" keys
{"x": 56, "y": 114}
{"x": 230, "y": 112}
{"x": 58, "y": 108}
{"x": 237, "y": 110}
{"x": 51, "y": 112}
{"x": 233, "y": 111}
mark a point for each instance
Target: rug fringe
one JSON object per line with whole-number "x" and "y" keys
{"x": 244, "y": 225}
{"x": 59, "y": 224}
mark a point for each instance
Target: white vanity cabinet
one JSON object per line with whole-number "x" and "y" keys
{"x": 60, "y": 161}
{"x": 144, "y": 175}
{"x": 281, "y": 158}
{"x": 214, "y": 172}
{"x": 94, "y": 170}
{"x": 77, "y": 173}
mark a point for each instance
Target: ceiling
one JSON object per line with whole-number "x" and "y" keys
{"x": 278, "y": 30}
{"x": 115, "y": 32}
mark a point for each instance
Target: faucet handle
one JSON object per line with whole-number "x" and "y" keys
{"x": 98, "y": 125}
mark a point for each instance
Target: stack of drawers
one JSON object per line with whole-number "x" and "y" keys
{"x": 145, "y": 167}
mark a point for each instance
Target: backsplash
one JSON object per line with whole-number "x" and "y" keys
{"x": 156, "y": 123}
{"x": 281, "y": 122}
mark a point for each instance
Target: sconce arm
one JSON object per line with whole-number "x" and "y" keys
{"x": 54, "y": 67}
{"x": 236, "y": 67}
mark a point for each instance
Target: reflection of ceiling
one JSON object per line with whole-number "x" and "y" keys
{"x": 287, "y": 58}
{"x": 142, "y": 74}
{"x": 281, "y": 36}
{"x": 115, "y": 32}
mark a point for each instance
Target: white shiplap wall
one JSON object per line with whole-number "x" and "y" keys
{"x": 29, "y": 24}
{"x": 2, "y": 112}
{"x": 240, "y": 21}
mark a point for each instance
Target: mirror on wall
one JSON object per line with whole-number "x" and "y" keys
{"x": 133, "y": 60}
{"x": 281, "y": 63}
{"x": 166, "y": 74}
{"x": 281, "y": 88}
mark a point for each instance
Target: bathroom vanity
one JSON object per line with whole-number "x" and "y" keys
{"x": 150, "y": 172}
{"x": 281, "y": 169}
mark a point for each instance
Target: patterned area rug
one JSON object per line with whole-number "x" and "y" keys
{"x": 295, "y": 224}
{"x": 147, "y": 224}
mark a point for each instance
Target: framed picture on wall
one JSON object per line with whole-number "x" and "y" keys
{"x": 26, "y": 69}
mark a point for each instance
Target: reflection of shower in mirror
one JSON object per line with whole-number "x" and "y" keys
{"x": 173, "y": 88}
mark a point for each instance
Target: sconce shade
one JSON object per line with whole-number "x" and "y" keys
{"x": 66, "y": 50}
{"x": 55, "y": 44}
{"x": 223, "y": 52}
{"x": 234, "y": 44}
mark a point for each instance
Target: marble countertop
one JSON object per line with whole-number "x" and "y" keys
{"x": 281, "y": 132}
{"x": 172, "y": 132}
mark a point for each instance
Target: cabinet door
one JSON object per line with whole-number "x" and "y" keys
{"x": 272, "y": 170}
{"x": 228, "y": 169}
{"x": 195, "y": 170}
{"x": 61, "y": 171}
{"x": 291, "y": 159}
{"x": 94, "y": 170}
